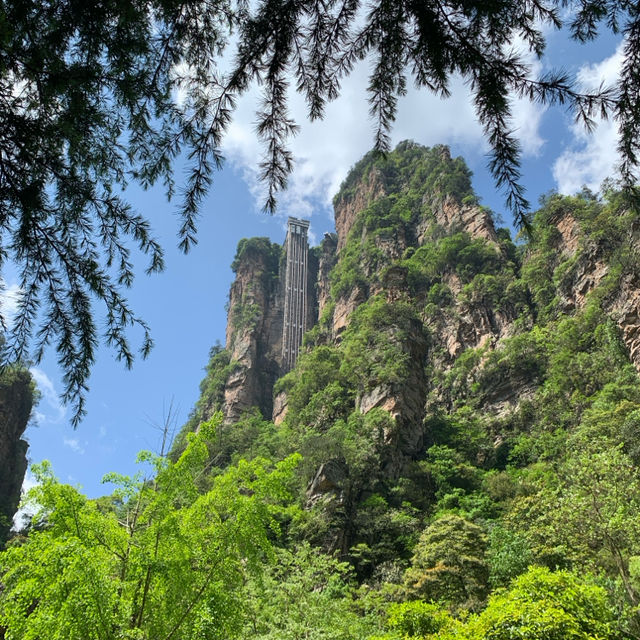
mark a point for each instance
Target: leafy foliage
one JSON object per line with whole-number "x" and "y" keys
{"x": 269, "y": 252}
{"x": 305, "y": 594}
{"x": 448, "y": 564}
{"x": 417, "y": 619}
{"x": 166, "y": 563}
{"x": 541, "y": 604}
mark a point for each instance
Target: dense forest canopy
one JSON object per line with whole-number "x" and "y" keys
{"x": 88, "y": 105}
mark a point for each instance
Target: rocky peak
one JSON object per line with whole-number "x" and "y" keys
{"x": 350, "y": 202}
{"x": 255, "y": 322}
{"x": 254, "y": 328}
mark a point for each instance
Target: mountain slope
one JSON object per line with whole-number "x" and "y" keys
{"x": 450, "y": 373}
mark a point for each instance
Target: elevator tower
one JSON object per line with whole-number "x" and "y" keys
{"x": 295, "y": 293}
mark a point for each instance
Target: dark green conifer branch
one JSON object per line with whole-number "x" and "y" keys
{"x": 93, "y": 97}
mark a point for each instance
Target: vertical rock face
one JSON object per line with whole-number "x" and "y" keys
{"x": 353, "y": 200}
{"x": 326, "y": 262}
{"x": 625, "y": 309}
{"x": 431, "y": 213}
{"x": 16, "y": 401}
{"x": 255, "y": 325}
{"x": 591, "y": 268}
{"x": 344, "y": 307}
{"x": 256, "y": 298}
{"x": 403, "y": 402}
{"x": 451, "y": 215}
{"x": 254, "y": 329}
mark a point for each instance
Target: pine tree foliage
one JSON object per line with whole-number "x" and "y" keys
{"x": 85, "y": 108}
{"x": 88, "y": 104}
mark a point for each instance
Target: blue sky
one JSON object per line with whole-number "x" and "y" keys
{"x": 185, "y": 304}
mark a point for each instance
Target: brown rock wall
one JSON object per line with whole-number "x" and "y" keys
{"x": 404, "y": 403}
{"x": 327, "y": 261}
{"x": 589, "y": 272}
{"x": 625, "y": 309}
{"x": 453, "y": 216}
{"x": 280, "y": 407}
{"x": 16, "y": 401}
{"x": 347, "y": 209}
{"x": 254, "y": 337}
{"x": 344, "y": 308}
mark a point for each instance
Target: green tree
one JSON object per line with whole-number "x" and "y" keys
{"x": 598, "y": 507}
{"x": 162, "y": 562}
{"x": 542, "y": 605}
{"x": 448, "y": 563}
{"x": 416, "y": 619}
{"x": 306, "y": 594}
{"x": 508, "y": 556}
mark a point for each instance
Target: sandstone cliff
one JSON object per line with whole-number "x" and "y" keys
{"x": 254, "y": 325}
{"x": 427, "y": 315}
{"x": 254, "y": 329}
{"x": 16, "y": 401}
{"x": 594, "y": 264}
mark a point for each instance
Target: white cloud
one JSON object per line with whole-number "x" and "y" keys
{"x": 57, "y": 410}
{"x": 9, "y": 300}
{"x": 325, "y": 150}
{"x": 592, "y": 157}
{"x": 25, "y": 512}
{"x": 74, "y": 445}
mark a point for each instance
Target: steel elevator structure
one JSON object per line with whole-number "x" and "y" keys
{"x": 295, "y": 292}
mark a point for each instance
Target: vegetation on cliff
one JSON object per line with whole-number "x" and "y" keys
{"x": 465, "y": 443}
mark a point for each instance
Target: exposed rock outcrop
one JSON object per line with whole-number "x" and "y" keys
{"x": 254, "y": 331}
{"x": 590, "y": 268}
{"x": 331, "y": 477}
{"x": 404, "y": 403}
{"x": 327, "y": 260}
{"x": 625, "y": 309}
{"x": 255, "y": 323}
{"x": 344, "y": 307}
{"x": 347, "y": 207}
{"x": 16, "y": 402}
{"x": 453, "y": 216}
{"x": 279, "y": 408}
